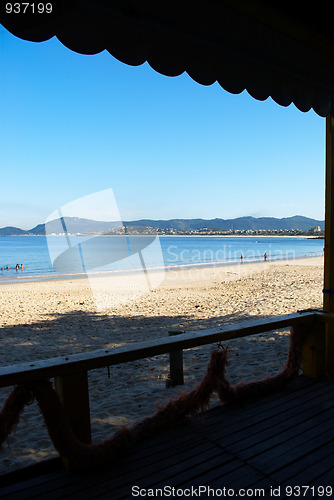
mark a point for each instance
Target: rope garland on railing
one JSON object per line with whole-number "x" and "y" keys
{"x": 173, "y": 413}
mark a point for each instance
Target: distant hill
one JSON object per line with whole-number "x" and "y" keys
{"x": 77, "y": 225}
{"x": 74, "y": 225}
{"x": 37, "y": 230}
{"x": 298, "y": 222}
{"x": 10, "y": 230}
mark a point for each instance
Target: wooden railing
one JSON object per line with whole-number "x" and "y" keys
{"x": 71, "y": 372}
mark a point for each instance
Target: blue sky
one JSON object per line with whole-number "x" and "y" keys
{"x": 71, "y": 125}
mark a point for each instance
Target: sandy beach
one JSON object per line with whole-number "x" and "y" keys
{"x": 59, "y": 317}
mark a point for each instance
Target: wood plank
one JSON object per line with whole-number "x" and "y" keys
{"x": 229, "y": 475}
{"x": 27, "y": 372}
{"x": 180, "y": 437}
{"x": 197, "y": 467}
{"x": 329, "y": 216}
{"x": 188, "y": 458}
{"x": 194, "y": 459}
{"x": 323, "y": 455}
{"x": 284, "y": 422}
{"x": 180, "y": 442}
{"x": 170, "y": 459}
{"x": 312, "y": 470}
{"x": 283, "y": 434}
{"x": 169, "y": 455}
{"x": 324, "y": 316}
{"x": 314, "y": 350}
{"x": 161, "y": 442}
{"x": 176, "y": 376}
{"x": 248, "y": 419}
{"x": 280, "y": 398}
{"x": 214, "y": 473}
{"x": 294, "y": 449}
{"x": 241, "y": 478}
{"x": 18, "y": 487}
{"x": 325, "y": 479}
{"x": 26, "y": 489}
{"x": 119, "y": 474}
{"x": 262, "y": 414}
{"x": 52, "y": 465}
{"x": 74, "y": 394}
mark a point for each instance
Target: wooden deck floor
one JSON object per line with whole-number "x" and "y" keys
{"x": 282, "y": 440}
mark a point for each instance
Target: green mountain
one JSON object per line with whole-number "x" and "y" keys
{"x": 10, "y": 231}
{"x": 77, "y": 225}
{"x": 298, "y": 222}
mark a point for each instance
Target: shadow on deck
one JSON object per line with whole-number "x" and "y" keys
{"x": 278, "y": 441}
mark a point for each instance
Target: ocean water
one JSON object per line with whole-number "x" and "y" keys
{"x": 43, "y": 257}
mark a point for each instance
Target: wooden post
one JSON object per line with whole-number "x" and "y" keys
{"x": 329, "y": 242}
{"x": 73, "y": 392}
{"x": 314, "y": 350}
{"x": 176, "y": 364}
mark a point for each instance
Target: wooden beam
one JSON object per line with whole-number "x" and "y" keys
{"x": 329, "y": 216}
{"x": 54, "y": 367}
{"x": 175, "y": 364}
{"x": 324, "y": 317}
{"x": 329, "y": 242}
{"x": 314, "y": 350}
{"x": 73, "y": 393}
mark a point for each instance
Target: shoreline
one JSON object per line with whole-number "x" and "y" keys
{"x": 12, "y": 280}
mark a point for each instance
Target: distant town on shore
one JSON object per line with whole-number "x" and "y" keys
{"x": 297, "y": 225}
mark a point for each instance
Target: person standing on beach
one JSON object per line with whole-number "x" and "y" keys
{"x": 265, "y": 256}
{"x": 241, "y": 258}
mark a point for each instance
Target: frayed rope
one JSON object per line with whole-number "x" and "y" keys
{"x": 169, "y": 415}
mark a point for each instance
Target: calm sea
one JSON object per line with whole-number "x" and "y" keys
{"x": 33, "y": 253}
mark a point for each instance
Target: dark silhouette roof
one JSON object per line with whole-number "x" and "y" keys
{"x": 271, "y": 48}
